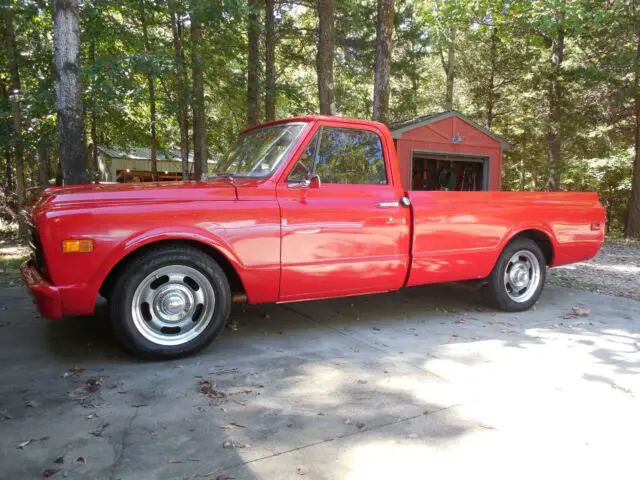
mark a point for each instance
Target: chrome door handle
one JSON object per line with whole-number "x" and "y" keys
{"x": 388, "y": 204}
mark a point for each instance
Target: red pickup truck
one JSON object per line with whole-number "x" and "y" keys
{"x": 300, "y": 209}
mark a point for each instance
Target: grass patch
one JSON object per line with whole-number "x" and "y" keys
{"x": 11, "y": 257}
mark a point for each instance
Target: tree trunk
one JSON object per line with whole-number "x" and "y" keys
{"x": 554, "y": 139}
{"x": 324, "y": 59}
{"x": 44, "y": 165}
{"x": 451, "y": 70}
{"x": 491, "y": 83}
{"x": 95, "y": 162}
{"x": 181, "y": 84}
{"x": 152, "y": 97}
{"x": 253, "y": 67}
{"x": 384, "y": 36}
{"x": 69, "y": 91}
{"x": 199, "y": 126}
{"x": 633, "y": 221}
{"x": 16, "y": 113}
{"x": 270, "y": 62}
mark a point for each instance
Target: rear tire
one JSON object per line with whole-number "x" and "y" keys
{"x": 170, "y": 302}
{"x": 517, "y": 280}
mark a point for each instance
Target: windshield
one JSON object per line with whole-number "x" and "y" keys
{"x": 258, "y": 152}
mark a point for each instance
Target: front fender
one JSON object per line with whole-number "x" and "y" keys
{"x": 126, "y": 247}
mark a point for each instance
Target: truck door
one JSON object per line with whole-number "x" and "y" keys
{"x": 345, "y": 232}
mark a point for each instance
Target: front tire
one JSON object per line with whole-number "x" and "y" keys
{"x": 170, "y": 302}
{"x": 517, "y": 280}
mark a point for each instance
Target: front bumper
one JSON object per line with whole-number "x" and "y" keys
{"x": 46, "y": 296}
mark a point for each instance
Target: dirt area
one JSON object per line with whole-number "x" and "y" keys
{"x": 614, "y": 271}
{"x": 12, "y": 254}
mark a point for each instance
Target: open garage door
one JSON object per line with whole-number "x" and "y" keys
{"x": 449, "y": 172}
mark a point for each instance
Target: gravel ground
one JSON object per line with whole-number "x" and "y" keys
{"x": 614, "y": 271}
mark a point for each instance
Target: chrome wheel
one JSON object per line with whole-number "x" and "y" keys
{"x": 173, "y": 305}
{"x": 522, "y": 276}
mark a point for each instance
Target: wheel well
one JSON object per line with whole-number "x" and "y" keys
{"x": 542, "y": 240}
{"x": 232, "y": 276}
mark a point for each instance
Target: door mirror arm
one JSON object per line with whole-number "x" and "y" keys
{"x": 312, "y": 182}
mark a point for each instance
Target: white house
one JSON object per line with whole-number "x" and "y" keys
{"x": 134, "y": 164}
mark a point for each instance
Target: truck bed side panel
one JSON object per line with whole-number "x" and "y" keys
{"x": 459, "y": 235}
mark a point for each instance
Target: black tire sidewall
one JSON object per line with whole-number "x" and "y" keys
{"x": 137, "y": 271}
{"x": 495, "y": 292}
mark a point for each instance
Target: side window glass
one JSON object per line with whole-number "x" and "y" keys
{"x": 304, "y": 166}
{"x": 350, "y": 156}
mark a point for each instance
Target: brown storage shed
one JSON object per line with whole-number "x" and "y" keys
{"x": 448, "y": 151}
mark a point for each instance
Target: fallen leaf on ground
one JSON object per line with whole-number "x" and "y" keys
{"x": 21, "y": 445}
{"x": 230, "y": 444}
{"x": 234, "y": 424}
{"x": 361, "y": 426}
{"x": 49, "y": 472}
{"x": 207, "y": 388}
{"x": 301, "y": 471}
{"x": 233, "y": 326}
{"x": 93, "y": 385}
{"x": 174, "y": 460}
{"x": 73, "y": 372}
{"x": 32, "y": 403}
{"x": 576, "y": 312}
{"x": 92, "y": 415}
{"x": 81, "y": 460}
{"x": 98, "y": 431}
{"x": 59, "y": 460}
{"x": 362, "y": 382}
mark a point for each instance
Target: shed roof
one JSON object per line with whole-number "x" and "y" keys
{"x": 398, "y": 128}
{"x": 143, "y": 153}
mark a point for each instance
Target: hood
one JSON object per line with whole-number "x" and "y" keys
{"x": 125, "y": 193}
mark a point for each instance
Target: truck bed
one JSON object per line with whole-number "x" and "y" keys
{"x": 459, "y": 235}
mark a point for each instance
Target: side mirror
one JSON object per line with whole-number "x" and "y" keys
{"x": 314, "y": 181}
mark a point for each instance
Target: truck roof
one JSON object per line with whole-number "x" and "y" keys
{"x": 315, "y": 118}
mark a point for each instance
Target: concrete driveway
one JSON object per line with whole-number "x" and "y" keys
{"x": 424, "y": 383}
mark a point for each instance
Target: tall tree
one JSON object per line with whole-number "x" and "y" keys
{"x": 16, "y": 110}
{"x": 253, "y": 65}
{"x": 181, "y": 86}
{"x": 270, "y": 62}
{"x": 554, "y": 135}
{"x": 324, "y": 59}
{"x": 44, "y": 164}
{"x": 450, "y": 68}
{"x": 199, "y": 119}
{"x": 93, "y": 129}
{"x": 152, "y": 91}
{"x": 448, "y": 18}
{"x": 633, "y": 221}
{"x": 69, "y": 91}
{"x": 384, "y": 36}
